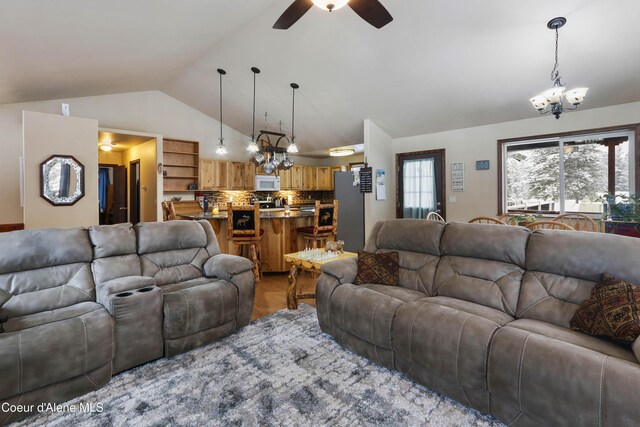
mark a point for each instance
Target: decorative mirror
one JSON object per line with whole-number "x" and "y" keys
{"x": 61, "y": 180}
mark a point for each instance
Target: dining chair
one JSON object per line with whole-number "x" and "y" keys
{"x": 578, "y": 221}
{"x": 549, "y": 225}
{"x": 243, "y": 230}
{"x": 487, "y": 220}
{"x": 325, "y": 225}
{"x": 435, "y": 216}
{"x": 168, "y": 211}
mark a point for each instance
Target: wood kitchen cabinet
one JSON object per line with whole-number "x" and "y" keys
{"x": 236, "y": 175}
{"x": 334, "y": 169}
{"x": 309, "y": 181}
{"x": 285, "y": 179}
{"x": 323, "y": 178}
{"x": 207, "y": 174}
{"x": 249, "y": 176}
{"x": 297, "y": 176}
{"x": 222, "y": 174}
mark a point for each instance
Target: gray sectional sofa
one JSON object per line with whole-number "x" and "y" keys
{"x": 78, "y": 305}
{"x": 482, "y": 315}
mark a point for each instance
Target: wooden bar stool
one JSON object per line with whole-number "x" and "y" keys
{"x": 325, "y": 225}
{"x": 243, "y": 229}
{"x": 168, "y": 211}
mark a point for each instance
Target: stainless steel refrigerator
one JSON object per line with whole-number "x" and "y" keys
{"x": 350, "y": 212}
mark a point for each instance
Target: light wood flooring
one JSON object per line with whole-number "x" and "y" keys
{"x": 271, "y": 293}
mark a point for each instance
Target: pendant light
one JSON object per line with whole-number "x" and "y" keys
{"x": 293, "y": 148}
{"x": 253, "y": 146}
{"x": 221, "y": 150}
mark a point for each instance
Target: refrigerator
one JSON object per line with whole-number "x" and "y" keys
{"x": 350, "y": 211}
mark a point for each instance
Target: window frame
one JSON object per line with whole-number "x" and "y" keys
{"x": 632, "y": 130}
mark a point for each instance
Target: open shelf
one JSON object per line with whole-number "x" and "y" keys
{"x": 181, "y": 163}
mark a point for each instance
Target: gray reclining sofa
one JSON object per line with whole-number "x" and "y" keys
{"x": 482, "y": 315}
{"x": 79, "y": 305}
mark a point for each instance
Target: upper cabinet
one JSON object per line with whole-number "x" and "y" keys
{"x": 323, "y": 178}
{"x": 297, "y": 176}
{"x": 236, "y": 175}
{"x": 180, "y": 165}
{"x": 207, "y": 174}
{"x": 249, "y": 176}
{"x": 309, "y": 180}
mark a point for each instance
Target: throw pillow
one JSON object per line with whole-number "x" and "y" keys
{"x": 379, "y": 269}
{"x": 611, "y": 311}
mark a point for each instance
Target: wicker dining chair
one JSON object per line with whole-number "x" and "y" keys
{"x": 549, "y": 225}
{"x": 435, "y": 216}
{"x": 487, "y": 220}
{"x": 578, "y": 221}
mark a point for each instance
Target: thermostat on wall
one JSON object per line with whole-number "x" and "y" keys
{"x": 482, "y": 165}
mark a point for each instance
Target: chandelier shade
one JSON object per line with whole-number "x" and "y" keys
{"x": 550, "y": 101}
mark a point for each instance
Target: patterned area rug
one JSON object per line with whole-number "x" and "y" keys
{"x": 279, "y": 370}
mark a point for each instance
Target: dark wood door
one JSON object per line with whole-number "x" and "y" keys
{"x": 134, "y": 191}
{"x": 119, "y": 195}
{"x": 421, "y": 184}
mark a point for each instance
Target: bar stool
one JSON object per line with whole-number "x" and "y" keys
{"x": 325, "y": 224}
{"x": 243, "y": 229}
{"x": 168, "y": 211}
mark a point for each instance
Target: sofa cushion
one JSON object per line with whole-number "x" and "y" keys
{"x": 563, "y": 267}
{"x": 112, "y": 240}
{"x": 44, "y": 269}
{"x": 45, "y": 348}
{"x": 611, "y": 311}
{"x": 444, "y": 344}
{"x": 367, "y": 311}
{"x": 381, "y": 268}
{"x": 482, "y": 264}
{"x": 417, "y": 242}
{"x": 556, "y": 381}
{"x": 197, "y": 305}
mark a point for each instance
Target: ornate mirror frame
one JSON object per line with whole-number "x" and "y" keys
{"x": 74, "y": 194}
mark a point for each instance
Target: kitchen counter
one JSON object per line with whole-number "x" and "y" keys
{"x": 280, "y": 234}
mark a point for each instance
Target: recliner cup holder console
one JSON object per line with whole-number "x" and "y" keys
{"x": 124, "y": 294}
{"x": 147, "y": 289}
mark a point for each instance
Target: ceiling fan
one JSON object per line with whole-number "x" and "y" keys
{"x": 370, "y": 10}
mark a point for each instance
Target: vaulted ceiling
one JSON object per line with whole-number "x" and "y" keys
{"x": 440, "y": 65}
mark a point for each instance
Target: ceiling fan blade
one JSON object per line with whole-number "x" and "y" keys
{"x": 371, "y": 11}
{"x": 292, "y": 14}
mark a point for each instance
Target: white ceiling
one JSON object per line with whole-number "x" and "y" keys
{"x": 440, "y": 65}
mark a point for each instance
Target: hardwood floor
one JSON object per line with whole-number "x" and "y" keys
{"x": 271, "y": 293}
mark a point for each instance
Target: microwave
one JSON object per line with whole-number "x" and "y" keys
{"x": 267, "y": 183}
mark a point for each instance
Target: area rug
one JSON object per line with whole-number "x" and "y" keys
{"x": 279, "y": 370}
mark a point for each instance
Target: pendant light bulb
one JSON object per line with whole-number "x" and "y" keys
{"x": 253, "y": 147}
{"x": 221, "y": 150}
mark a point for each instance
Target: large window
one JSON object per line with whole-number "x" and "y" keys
{"x": 568, "y": 173}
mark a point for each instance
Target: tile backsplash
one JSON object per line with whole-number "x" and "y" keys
{"x": 242, "y": 197}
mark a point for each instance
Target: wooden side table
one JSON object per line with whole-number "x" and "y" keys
{"x": 298, "y": 263}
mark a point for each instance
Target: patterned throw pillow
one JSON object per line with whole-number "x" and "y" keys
{"x": 379, "y": 269}
{"x": 611, "y": 311}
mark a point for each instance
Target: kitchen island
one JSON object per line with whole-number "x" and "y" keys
{"x": 280, "y": 234}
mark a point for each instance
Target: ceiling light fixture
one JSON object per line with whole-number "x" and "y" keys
{"x": 253, "y": 147}
{"x": 553, "y": 97}
{"x": 340, "y": 152}
{"x": 221, "y": 150}
{"x": 330, "y": 5}
{"x": 107, "y": 146}
{"x": 293, "y": 148}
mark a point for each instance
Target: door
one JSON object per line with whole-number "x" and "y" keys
{"x": 421, "y": 184}
{"x": 134, "y": 191}
{"x": 119, "y": 207}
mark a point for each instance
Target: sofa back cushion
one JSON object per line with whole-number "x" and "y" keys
{"x": 563, "y": 267}
{"x": 175, "y": 251}
{"x": 114, "y": 252}
{"x": 482, "y": 263}
{"x": 417, "y": 242}
{"x": 44, "y": 269}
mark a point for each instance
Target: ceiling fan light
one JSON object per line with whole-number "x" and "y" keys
{"x": 340, "y": 152}
{"x": 330, "y": 5}
{"x": 554, "y": 95}
{"x": 539, "y": 102}
{"x": 576, "y": 96}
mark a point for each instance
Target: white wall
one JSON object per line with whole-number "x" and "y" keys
{"x": 152, "y": 112}
{"x": 378, "y": 150}
{"x": 44, "y": 136}
{"x": 480, "y": 143}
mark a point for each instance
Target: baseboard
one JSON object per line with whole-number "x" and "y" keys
{"x": 11, "y": 227}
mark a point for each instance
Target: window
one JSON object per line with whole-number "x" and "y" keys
{"x": 419, "y": 189}
{"x": 566, "y": 173}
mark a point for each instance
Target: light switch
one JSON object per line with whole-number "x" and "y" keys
{"x": 452, "y": 199}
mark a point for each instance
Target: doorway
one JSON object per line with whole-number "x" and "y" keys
{"x": 134, "y": 191}
{"x": 112, "y": 193}
{"x": 421, "y": 184}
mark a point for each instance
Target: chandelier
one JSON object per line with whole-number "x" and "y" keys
{"x": 552, "y": 98}
{"x": 268, "y": 153}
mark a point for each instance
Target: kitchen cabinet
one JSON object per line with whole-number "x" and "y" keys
{"x": 236, "y": 175}
{"x": 323, "y": 177}
{"x": 222, "y": 175}
{"x": 309, "y": 181}
{"x": 285, "y": 179}
{"x": 249, "y": 176}
{"x": 334, "y": 169}
{"x": 207, "y": 174}
{"x": 297, "y": 177}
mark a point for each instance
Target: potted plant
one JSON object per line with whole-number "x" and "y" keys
{"x": 623, "y": 214}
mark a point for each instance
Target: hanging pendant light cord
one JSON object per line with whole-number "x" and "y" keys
{"x": 293, "y": 116}
{"x": 221, "y": 109}
{"x": 253, "y": 117}
{"x": 555, "y": 73}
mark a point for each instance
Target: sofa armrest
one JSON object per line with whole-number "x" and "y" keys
{"x": 122, "y": 284}
{"x": 345, "y": 270}
{"x": 225, "y": 266}
{"x": 237, "y": 271}
{"x": 636, "y": 348}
